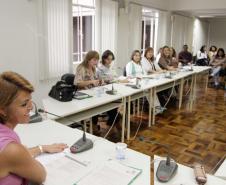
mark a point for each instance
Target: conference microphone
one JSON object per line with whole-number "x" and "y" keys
{"x": 112, "y": 91}
{"x": 36, "y": 117}
{"x": 167, "y": 168}
{"x": 82, "y": 144}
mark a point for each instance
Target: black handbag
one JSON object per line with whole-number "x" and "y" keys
{"x": 62, "y": 91}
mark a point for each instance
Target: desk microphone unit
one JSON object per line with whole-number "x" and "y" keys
{"x": 112, "y": 91}
{"x": 36, "y": 117}
{"x": 167, "y": 168}
{"x": 82, "y": 144}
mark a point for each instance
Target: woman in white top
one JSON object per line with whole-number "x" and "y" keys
{"x": 149, "y": 63}
{"x": 134, "y": 68}
{"x": 202, "y": 59}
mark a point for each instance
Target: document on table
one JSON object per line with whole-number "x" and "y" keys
{"x": 64, "y": 170}
{"x": 111, "y": 173}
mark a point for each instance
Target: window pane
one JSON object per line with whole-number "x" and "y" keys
{"x": 84, "y": 2}
{"x": 76, "y": 37}
{"x": 87, "y": 33}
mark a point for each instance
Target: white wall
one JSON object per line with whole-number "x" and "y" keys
{"x": 19, "y": 42}
{"x": 218, "y": 33}
{"x": 196, "y": 4}
{"x": 200, "y": 34}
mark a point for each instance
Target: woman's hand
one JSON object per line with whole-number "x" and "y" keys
{"x": 95, "y": 82}
{"x": 54, "y": 148}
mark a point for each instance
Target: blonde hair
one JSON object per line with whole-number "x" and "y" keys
{"x": 10, "y": 84}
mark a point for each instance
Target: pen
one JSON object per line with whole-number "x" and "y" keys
{"x": 71, "y": 158}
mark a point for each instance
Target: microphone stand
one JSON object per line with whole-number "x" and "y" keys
{"x": 82, "y": 144}
{"x": 36, "y": 117}
{"x": 167, "y": 168}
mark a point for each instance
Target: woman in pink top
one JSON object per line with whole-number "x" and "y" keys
{"x": 17, "y": 163}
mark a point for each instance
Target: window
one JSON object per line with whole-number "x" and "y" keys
{"x": 149, "y": 28}
{"x": 83, "y": 28}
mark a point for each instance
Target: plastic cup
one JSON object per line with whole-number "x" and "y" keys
{"x": 121, "y": 151}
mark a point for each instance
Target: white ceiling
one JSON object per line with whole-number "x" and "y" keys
{"x": 207, "y": 13}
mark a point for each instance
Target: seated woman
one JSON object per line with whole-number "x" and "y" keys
{"x": 104, "y": 69}
{"x": 212, "y": 52}
{"x": 202, "y": 59}
{"x": 18, "y": 164}
{"x": 134, "y": 68}
{"x": 217, "y": 64}
{"x": 86, "y": 77}
{"x": 165, "y": 61}
{"x": 149, "y": 63}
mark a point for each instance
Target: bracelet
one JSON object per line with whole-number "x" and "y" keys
{"x": 40, "y": 148}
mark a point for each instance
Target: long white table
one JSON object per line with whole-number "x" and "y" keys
{"x": 48, "y": 132}
{"x": 185, "y": 176}
{"x": 78, "y": 110}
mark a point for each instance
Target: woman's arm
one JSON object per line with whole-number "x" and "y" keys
{"x": 54, "y": 148}
{"x": 84, "y": 84}
{"x": 19, "y": 161}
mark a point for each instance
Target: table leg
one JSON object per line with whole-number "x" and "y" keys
{"x": 90, "y": 126}
{"x": 191, "y": 93}
{"x": 150, "y": 107}
{"x": 153, "y": 105}
{"x": 181, "y": 92}
{"x": 123, "y": 119}
{"x": 138, "y": 106}
{"x": 207, "y": 81}
{"x": 128, "y": 118}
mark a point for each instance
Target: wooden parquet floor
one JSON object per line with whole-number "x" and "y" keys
{"x": 198, "y": 136}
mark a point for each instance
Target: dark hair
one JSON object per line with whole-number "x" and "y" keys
{"x": 10, "y": 84}
{"x": 105, "y": 55}
{"x": 222, "y": 50}
{"x": 162, "y": 54}
{"x": 185, "y": 45}
{"x": 148, "y": 50}
{"x": 134, "y": 53}
{"x": 213, "y": 47}
{"x": 202, "y": 48}
{"x": 174, "y": 52}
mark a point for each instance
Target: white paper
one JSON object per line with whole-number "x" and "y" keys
{"x": 64, "y": 171}
{"x": 111, "y": 173}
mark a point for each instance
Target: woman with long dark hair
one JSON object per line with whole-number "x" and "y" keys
{"x": 217, "y": 64}
{"x": 202, "y": 59}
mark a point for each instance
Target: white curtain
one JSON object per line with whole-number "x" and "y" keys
{"x": 135, "y": 27}
{"x": 109, "y": 22}
{"x": 164, "y": 27}
{"x": 55, "y": 48}
{"x": 201, "y": 29}
{"x": 182, "y": 32}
